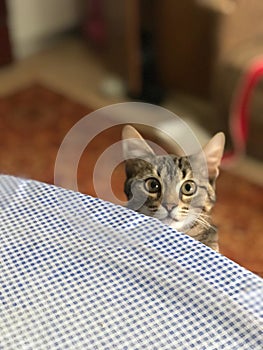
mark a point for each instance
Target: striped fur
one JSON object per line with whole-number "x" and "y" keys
{"x": 166, "y": 188}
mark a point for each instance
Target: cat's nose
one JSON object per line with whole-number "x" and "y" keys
{"x": 169, "y": 207}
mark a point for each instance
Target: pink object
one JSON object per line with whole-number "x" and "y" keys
{"x": 239, "y": 114}
{"x": 94, "y": 27}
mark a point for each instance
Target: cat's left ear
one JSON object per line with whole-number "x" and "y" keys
{"x": 134, "y": 145}
{"x": 213, "y": 151}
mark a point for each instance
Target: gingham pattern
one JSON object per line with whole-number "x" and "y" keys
{"x": 81, "y": 273}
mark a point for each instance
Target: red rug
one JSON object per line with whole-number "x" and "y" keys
{"x": 33, "y": 123}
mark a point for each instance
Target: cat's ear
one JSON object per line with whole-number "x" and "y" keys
{"x": 134, "y": 145}
{"x": 213, "y": 151}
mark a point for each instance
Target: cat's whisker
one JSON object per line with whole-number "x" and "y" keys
{"x": 203, "y": 222}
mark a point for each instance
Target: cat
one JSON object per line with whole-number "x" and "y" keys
{"x": 163, "y": 186}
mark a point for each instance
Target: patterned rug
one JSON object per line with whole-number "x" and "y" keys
{"x": 33, "y": 123}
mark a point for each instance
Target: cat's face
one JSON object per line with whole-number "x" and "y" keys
{"x": 166, "y": 187}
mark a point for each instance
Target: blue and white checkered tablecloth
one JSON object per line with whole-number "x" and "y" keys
{"x": 81, "y": 273}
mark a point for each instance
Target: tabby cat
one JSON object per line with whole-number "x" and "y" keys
{"x": 163, "y": 186}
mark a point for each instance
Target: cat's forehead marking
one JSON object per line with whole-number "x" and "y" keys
{"x": 172, "y": 166}
{"x": 166, "y": 166}
{"x": 169, "y": 168}
{"x": 184, "y": 167}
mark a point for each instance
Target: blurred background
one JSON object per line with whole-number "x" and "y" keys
{"x": 59, "y": 60}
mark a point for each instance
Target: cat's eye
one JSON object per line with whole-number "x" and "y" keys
{"x": 152, "y": 185}
{"x": 188, "y": 188}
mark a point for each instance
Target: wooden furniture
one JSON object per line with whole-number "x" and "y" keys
{"x": 190, "y": 39}
{"x": 5, "y": 47}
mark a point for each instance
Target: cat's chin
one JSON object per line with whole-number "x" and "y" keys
{"x": 177, "y": 225}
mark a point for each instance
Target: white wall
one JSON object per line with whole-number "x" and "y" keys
{"x": 35, "y": 23}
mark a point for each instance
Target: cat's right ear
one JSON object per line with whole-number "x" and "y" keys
{"x": 134, "y": 145}
{"x": 213, "y": 151}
